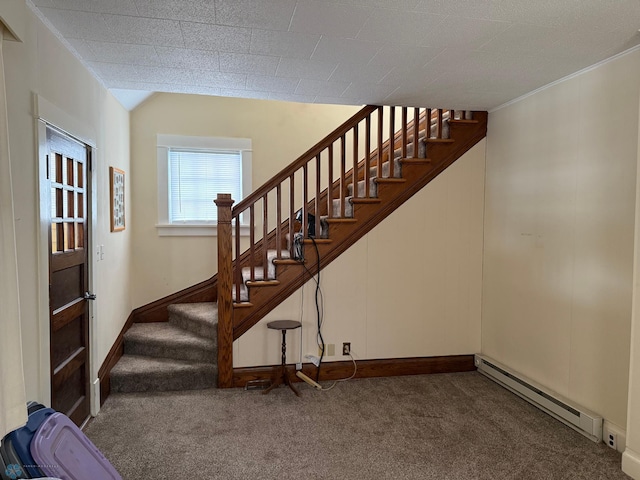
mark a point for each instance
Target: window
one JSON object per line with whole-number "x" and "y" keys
{"x": 191, "y": 173}
{"x": 196, "y": 177}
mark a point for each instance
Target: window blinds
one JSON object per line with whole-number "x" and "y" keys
{"x": 195, "y": 179}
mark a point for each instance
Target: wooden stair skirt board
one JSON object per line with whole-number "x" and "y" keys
{"x": 389, "y": 367}
{"x": 115, "y": 353}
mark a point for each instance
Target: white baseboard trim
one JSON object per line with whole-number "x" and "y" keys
{"x": 631, "y": 464}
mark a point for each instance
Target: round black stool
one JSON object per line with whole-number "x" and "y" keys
{"x": 281, "y": 376}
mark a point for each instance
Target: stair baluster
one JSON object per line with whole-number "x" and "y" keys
{"x": 392, "y": 137}
{"x": 265, "y": 231}
{"x": 380, "y": 142}
{"x": 330, "y": 175}
{"x": 278, "y": 221}
{"x": 305, "y": 200}
{"x": 367, "y": 156}
{"x": 356, "y": 159}
{"x": 404, "y": 132}
{"x": 237, "y": 275}
{"x": 291, "y": 212}
{"x": 252, "y": 242}
{"x": 318, "y": 232}
{"x": 343, "y": 183}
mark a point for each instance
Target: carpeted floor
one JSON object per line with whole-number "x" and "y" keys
{"x": 450, "y": 426}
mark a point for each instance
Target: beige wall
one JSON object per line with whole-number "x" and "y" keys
{"x": 411, "y": 287}
{"x": 164, "y": 265}
{"x": 631, "y": 457}
{"x": 559, "y": 227}
{"x": 42, "y": 66}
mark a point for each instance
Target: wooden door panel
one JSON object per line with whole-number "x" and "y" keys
{"x": 66, "y": 340}
{"x": 66, "y": 286}
{"x": 71, "y": 392}
{"x": 68, "y": 276}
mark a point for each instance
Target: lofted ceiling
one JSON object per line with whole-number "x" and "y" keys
{"x": 469, "y": 54}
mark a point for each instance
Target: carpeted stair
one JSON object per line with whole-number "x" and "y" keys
{"x": 180, "y": 354}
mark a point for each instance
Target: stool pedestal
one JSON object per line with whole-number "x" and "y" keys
{"x": 281, "y": 375}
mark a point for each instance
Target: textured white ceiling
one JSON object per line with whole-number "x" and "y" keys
{"x": 470, "y": 54}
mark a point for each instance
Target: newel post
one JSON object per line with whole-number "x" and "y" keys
{"x": 225, "y": 287}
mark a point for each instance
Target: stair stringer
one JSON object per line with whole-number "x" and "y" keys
{"x": 367, "y": 215}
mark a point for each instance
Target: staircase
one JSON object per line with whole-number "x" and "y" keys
{"x": 176, "y": 355}
{"x": 347, "y": 184}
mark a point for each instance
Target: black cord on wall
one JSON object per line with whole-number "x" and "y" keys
{"x": 319, "y": 310}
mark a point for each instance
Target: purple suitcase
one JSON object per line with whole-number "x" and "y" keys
{"x": 63, "y": 451}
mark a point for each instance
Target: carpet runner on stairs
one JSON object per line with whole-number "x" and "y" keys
{"x": 177, "y": 355}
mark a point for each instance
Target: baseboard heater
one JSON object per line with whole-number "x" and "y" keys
{"x": 578, "y": 418}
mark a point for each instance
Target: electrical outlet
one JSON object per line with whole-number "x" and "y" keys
{"x": 613, "y": 436}
{"x": 298, "y": 366}
{"x": 346, "y": 348}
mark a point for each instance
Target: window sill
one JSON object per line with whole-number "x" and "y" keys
{"x": 196, "y": 230}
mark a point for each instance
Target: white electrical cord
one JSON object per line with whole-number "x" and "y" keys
{"x": 355, "y": 370}
{"x": 317, "y": 386}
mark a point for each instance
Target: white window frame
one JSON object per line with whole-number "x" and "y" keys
{"x": 164, "y": 143}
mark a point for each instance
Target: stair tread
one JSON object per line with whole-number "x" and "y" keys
{"x": 205, "y": 312}
{"x": 199, "y": 318}
{"x": 289, "y": 261}
{"x": 410, "y": 160}
{"x": 141, "y": 365}
{"x": 340, "y": 220}
{"x": 160, "y": 333}
{"x": 262, "y": 283}
{"x": 390, "y": 180}
{"x": 317, "y": 240}
{"x": 137, "y": 373}
{"x": 440, "y": 140}
{"x": 464, "y": 121}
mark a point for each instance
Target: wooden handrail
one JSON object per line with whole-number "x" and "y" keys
{"x": 303, "y": 159}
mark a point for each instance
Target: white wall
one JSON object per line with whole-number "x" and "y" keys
{"x": 42, "y": 66}
{"x": 559, "y": 226}
{"x": 410, "y": 287}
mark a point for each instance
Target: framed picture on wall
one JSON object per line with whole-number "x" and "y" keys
{"x": 116, "y": 188}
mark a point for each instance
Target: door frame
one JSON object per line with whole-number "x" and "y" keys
{"x": 47, "y": 114}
